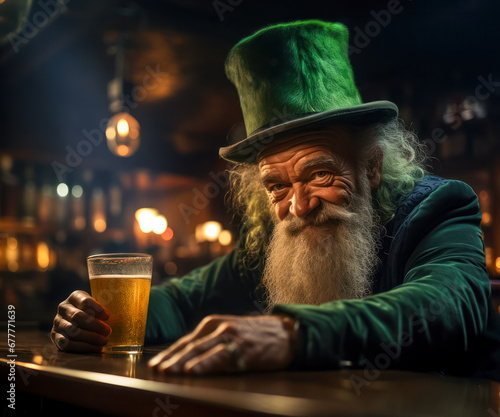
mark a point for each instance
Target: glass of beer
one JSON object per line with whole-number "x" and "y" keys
{"x": 121, "y": 283}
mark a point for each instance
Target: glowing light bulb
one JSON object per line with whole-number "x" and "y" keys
{"x": 42, "y": 254}
{"x": 225, "y": 237}
{"x": 211, "y": 230}
{"x": 122, "y": 127}
{"x": 168, "y": 234}
{"x": 111, "y": 133}
{"x": 146, "y": 218}
{"x": 62, "y": 190}
{"x": 122, "y": 150}
{"x": 77, "y": 191}
{"x": 11, "y": 242}
{"x": 159, "y": 224}
{"x": 134, "y": 133}
{"x": 100, "y": 225}
{"x": 123, "y": 134}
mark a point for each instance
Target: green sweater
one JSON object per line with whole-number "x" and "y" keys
{"x": 430, "y": 309}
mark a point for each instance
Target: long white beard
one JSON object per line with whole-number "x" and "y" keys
{"x": 327, "y": 256}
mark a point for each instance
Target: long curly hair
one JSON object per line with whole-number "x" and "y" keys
{"x": 403, "y": 166}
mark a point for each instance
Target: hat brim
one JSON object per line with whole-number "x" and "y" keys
{"x": 248, "y": 149}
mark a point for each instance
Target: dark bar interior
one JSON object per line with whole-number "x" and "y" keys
{"x": 112, "y": 114}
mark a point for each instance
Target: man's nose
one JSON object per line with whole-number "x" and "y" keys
{"x": 301, "y": 203}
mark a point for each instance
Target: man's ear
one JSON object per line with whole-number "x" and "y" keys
{"x": 374, "y": 167}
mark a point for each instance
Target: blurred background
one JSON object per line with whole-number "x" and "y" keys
{"x": 112, "y": 113}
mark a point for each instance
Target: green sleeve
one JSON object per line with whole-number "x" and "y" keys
{"x": 428, "y": 322}
{"x": 217, "y": 288}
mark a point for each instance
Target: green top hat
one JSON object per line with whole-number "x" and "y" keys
{"x": 294, "y": 77}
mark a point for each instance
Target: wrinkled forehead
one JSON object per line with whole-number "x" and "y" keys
{"x": 340, "y": 140}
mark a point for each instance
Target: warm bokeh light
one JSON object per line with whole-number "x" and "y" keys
{"x": 122, "y": 150}
{"x": 110, "y": 133}
{"x": 38, "y": 359}
{"x": 100, "y": 225}
{"x": 211, "y": 230}
{"x": 12, "y": 266}
{"x": 123, "y": 134}
{"x": 225, "y": 237}
{"x": 80, "y": 223}
{"x": 486, "y": 219}
{"x": 143, "y": 213}
{"x": 198, "y": 234}
{"x": 170, "y": 268}
{"x": 497, "y": 263}
{"x": 146, "y": 218}
{"x": 12, "y": 255}
{"x": 122, "y": 127}
{"x": 168, "y": 234}
{"x": 134, "y": 133}
{"x": 489, "y": 256}
{"x": 42, "y": 255}
{"x": 483, "y": 195}
{"x": 62, "y": 190}
{"x": 159, "y": 224}
{"x": 12, "y": 242}
{"x": 77, "y": 191}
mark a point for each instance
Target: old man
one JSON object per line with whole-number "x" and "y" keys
{"x": 349, "y": 253}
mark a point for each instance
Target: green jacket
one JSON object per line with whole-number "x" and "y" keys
{"x": 430, "y": 309}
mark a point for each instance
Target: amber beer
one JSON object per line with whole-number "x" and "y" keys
{"x": 121, "y": 283}
{"x": 126, "y": 298}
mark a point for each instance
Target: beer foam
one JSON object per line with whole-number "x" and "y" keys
{"x": 115, "y": 276}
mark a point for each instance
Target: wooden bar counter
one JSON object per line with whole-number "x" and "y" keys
{"x": 49, "y": 382}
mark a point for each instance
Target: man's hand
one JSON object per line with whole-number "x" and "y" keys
{"x": 223, "y": 344}
{"x": 79, "y": 324}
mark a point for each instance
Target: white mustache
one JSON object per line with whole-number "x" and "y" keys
{"x": 326, "y": 214}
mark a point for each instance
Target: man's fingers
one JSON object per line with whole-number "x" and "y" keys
{"x": 74, "y": 325}
{"x": 83, "y": 301}
{"x": 78, "y": 325}
{"x": 193, "y": 344}
{"x": 204, "y": 328}
{"x": 176, "y": 348}
{"x": 172, "y": 350}
{"x": 65, "y": 344}
{"x": 83, "y": 320}
{"x": 176, "y": 362}
{"x": 73, "y": 332}
{"x": 216, "y": 360}
{"x": 236, "y": 345}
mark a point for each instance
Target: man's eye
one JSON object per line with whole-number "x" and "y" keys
{"x": 277, "y": 187}
{"x": 320, "y": 174}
